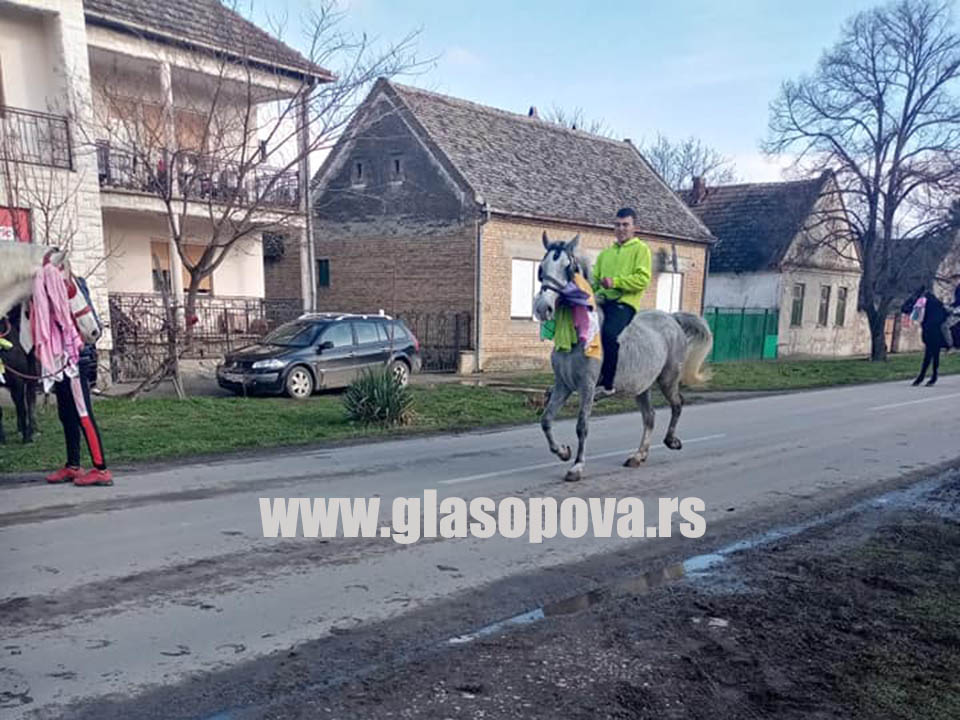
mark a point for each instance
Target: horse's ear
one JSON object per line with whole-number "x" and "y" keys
{"x": 57, "y": 258}
{"x": 572, "y": 245}
{"x": 546, "y": 241}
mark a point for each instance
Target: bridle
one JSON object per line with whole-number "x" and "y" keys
{"x": 548, "y": 283}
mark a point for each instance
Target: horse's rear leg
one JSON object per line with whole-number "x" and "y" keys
{"x": 646, "y": 410}
{"x": 558, "y": 396}
{"x": 670, "y": 387}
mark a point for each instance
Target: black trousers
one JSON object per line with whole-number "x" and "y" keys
{"x": 616, "y": 317}
{"x": 73, "y": 425}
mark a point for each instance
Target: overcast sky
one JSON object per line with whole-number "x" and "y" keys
{"x": 707, "y": 68}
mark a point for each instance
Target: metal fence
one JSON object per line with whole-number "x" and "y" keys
{"x": 743, "y": 333}
{"x": 199, "y": 177}
{"x": 139, "y": 327}
{"x": 35, "y": 138}
{"x": 442, "y": 336}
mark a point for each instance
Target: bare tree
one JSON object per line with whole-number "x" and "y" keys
{"x": 881, "y": 111}
{"x": 224, "y": 143}
{"x": 576, "y": 120}
{"x": 679, "y": 161}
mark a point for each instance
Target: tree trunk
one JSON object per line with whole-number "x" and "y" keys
{"x": 878, "y": 344}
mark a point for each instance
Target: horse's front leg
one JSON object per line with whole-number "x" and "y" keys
{"x": 558, "y": 396}
{"x": 586, "y": 394}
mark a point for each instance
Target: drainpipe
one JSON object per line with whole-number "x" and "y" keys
{"x": 478, "y": 287}
{"x": 703, "y": 291}
{"x": 308, "y": 275}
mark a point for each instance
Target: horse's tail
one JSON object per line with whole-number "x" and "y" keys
{"x": 700, "y": 343}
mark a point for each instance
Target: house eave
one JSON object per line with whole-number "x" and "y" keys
{"x": 599, "y": 226}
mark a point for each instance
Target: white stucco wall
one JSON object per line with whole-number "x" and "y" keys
{"x": 29, "y": 58}
{"x": 811, "y": 338}
{"x": 129, "y": 264}
{"x": 743, "y": 290}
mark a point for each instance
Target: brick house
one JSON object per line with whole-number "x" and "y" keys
{"x": 434, "y": 204}
{"x": 770, "y": 256}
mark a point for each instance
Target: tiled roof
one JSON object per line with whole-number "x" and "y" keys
{"x": 202, "y": 22}
{"x": 525, "y": 166}
{"x": 755, "y": 223}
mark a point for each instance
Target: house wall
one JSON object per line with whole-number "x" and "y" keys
{"x": 401, "y": 244}
{"x": 130, "y": 263}
{"x": 743, "y": 290}
{"x": 55, "y": 77}
{"x": 30, "y": 59}
{"x": 508, "y": 343}
{"x": 810, "y": 338}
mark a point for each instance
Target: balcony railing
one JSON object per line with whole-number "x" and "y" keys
{"x": 35, "y": 138}
{"x": 199, "y": 177}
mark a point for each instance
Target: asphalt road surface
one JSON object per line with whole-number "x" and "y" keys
{"x": 160, "y": 597}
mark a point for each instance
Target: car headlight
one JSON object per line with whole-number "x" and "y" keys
{"x": 271, "y": 364}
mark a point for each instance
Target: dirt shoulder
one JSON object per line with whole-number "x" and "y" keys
{"x": 858, "y": 619}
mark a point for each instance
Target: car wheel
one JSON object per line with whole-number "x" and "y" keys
{"x": 299, "y": 384}
{"x": 400, "y": 371}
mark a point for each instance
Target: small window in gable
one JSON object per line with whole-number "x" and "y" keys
{"x": 358, "y": 173}
{"x": 396, "y": 168}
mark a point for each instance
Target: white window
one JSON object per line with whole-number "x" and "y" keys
{"x": 669, "y": 287}
{"x": 523, "y": 275}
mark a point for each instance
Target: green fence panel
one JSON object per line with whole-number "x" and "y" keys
{"x": 742, "y": 333}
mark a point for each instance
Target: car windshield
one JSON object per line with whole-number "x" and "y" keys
{"x": 294, "y": 334}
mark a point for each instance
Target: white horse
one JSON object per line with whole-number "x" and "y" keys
{"x": 666, "y": 348}
{"x": 19, "y": 263}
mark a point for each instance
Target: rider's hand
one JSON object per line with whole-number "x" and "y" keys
{"x": 607, "y": 282}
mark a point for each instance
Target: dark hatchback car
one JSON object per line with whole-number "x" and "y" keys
{"x": 321, "y": 351}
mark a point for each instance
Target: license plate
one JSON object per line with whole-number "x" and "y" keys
{"x": 233, "y": 377}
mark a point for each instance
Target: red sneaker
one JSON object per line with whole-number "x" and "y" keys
{"x": 94, "y": 477}
{"x": 64, "y": 474}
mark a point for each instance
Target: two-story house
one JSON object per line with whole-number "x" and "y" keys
{"x": 123, "y": 118}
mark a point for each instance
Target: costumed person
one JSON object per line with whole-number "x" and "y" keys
{"x": 68, "y": 366}
{"x": 949, "y": 326}
{"x": 620, "y": 276}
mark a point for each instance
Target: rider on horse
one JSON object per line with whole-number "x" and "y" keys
{"x": 622, "y": 273}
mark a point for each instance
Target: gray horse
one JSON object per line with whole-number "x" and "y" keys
{"x": 666, "y": 348}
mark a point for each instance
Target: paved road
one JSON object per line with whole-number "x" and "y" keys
{"x": 114, "y": 592}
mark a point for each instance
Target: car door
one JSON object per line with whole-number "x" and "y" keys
{"x": 336, "y": 358}
{"x": 371, "y": 350}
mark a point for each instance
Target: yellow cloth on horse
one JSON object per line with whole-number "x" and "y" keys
{"x": 564, "y": 330}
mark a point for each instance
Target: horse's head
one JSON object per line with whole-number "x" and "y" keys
{"x": 557, "y": 269}
{"x": 81, "y": 307}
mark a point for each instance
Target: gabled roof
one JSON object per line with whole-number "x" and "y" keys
{"x": 203, "y": 23}
{"x": 529, "y": 167}
{"x": 755, "y": 223}
{"x": 917, "y": 262}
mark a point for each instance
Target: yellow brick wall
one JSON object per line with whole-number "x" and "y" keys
{"x": 513, "y": 344}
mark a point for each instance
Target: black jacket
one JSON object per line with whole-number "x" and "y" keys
{"x": 88, "y": 363}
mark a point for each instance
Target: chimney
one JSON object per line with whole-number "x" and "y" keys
{"x": 699, "y": 190}
{"x": 533, "y": 112}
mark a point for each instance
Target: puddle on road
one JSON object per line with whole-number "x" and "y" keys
{"x": 706, "y": 567}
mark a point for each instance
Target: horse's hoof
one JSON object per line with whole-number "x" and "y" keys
{"x": 673, "y": 443}
{"x": 634, "y": 461}
{"x": 573, "y": 476}
{"x": 565, "y": 453}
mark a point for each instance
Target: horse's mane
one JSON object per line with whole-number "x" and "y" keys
{"x": 586, "y": 267}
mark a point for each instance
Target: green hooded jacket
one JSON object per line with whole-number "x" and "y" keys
{"x": 631, "y": 267}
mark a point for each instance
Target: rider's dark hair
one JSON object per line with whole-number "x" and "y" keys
{"x": 627, "y": 212}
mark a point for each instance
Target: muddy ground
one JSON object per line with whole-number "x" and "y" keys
{"x": 859, "y": 618}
